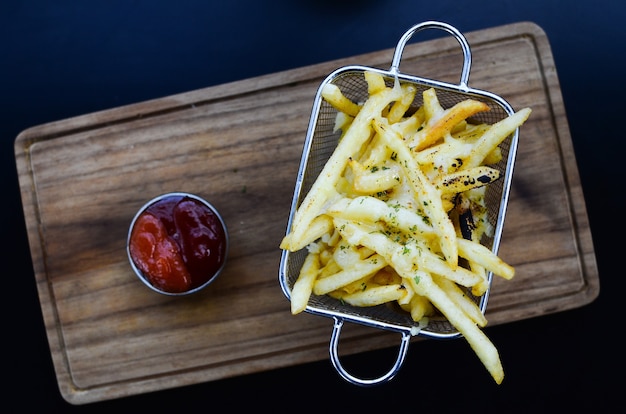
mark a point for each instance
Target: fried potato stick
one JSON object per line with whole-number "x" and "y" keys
{"x": 358, "y": 270}
{"x": 476, "y": 252}
{"x": 375, "y": 295}
{"x": 463, "y": 180}
{"x": 441, "y": 123}
{"x": 463, "y": 301}
{"x": 375, "y": 82}
{"x": 333, "y": 95}
{"x": 303, "y": 287}
{"x": 373, "y": 180}
{"x": 491, "y": 138}
{"x": 399, "y": 108}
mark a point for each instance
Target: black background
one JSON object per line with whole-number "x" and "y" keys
{"x": 66, "y": 58}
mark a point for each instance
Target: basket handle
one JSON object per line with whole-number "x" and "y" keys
{"x": 334, "y": 357}
{"x": 467, "y": 54}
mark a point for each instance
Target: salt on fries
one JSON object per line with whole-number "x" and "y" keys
{"x": 400, "y": 205}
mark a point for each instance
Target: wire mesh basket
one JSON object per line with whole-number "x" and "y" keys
{"x": 321, "y": 140}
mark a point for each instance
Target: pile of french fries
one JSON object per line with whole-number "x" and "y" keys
{"x": 397, "y": 214}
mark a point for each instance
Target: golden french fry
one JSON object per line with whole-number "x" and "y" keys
{"x": 374, "y": 179}
{"x": 419, "y": 307}
{"x": 333, "y": 95}
{"x": 375, "y": 82}
{"x": 432, "y": 107}
{"x": 491, "y": 138}
{"x": 409, "y": 126}
{"x": 342, "y": 121}
{"x": 375, "y": 295}
{"x": 481, "y": 287}
{"x": 348, "y": 275}
{"x": 464, "y": 180}
{"x": 480, "y": 254}
{"x": 303, "y": 286}
{"x": 461, "y": 299}
{"x": 345, "y": 254}
{"x": 443, "y": 122}
{"x": 399, "y": 108}
{"x": 320, "y": 226}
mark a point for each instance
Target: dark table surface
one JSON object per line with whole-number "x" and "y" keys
{"x": 62, "y": 59}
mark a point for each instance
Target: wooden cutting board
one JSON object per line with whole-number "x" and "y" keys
{"x": 238, "y": 145}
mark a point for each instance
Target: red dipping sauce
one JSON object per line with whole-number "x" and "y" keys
{"x": 178, "y": 243}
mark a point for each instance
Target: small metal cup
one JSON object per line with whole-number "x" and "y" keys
{"x": 138, "y": 271}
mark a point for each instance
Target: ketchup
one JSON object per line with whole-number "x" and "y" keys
{"x": 178, "y": 243}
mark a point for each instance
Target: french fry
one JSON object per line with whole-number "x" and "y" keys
{"x": 494, "y": 136}
{"x": 460, "y": 298}
{"x": 375, "y": 295}
{"x": 419, "y": 307}
{"x": 320, "y": 226}
{"x": 342, "y": 122}
{"x": 409, "y": 126}
{"x": 375, "y": 82}
{"x": 481, "y": 287}
{"x": 374, "y": 179}
{"x": 302, "y": 288}
{"x": 333, "y": 95}
{"x": 463, "y": 180}
{"x": 432, "y": 107}
{"x": 478, "y": 253}
{"x": 441, "y": 122}
{"x": 346, "y": 276}
{"x": 399, "y": 108}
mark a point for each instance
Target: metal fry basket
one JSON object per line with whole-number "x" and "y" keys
{"x": 319, "y": 145}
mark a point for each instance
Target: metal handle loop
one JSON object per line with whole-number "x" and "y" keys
{"x": 334, "y": 357}
{"x": 467, "y": 54}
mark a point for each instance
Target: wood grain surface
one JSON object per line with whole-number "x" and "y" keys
{"x": 238, "y": 145}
